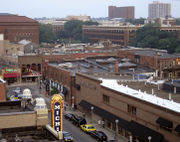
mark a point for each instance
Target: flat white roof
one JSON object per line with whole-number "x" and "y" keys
{"x": 153, "y": 99}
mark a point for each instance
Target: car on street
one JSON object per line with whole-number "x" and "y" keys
{"x": 111, "y": 141}
{"x": 99, "y": 135}
{"x": 67, "y": 137}
{"x": 17, "y": 90}
{"x": 87, "y": 128}
{"x": 78, "y": 121}
{"x": 69, "y": 116}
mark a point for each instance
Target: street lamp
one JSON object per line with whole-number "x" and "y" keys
{"x": 72, "y": 102}
{"x": 116, "y": 133}
{"x": 149, "y": 138}
{"x": 92, "y": 108}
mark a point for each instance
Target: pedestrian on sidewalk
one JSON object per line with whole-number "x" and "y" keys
{"x": 102, "y": 122}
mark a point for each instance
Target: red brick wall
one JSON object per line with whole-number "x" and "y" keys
{"x": 2, "y": 92}
{"x": 62, "y": 77}
{"x": 16, "y": 32}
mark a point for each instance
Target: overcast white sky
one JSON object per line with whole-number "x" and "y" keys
{"x": 93, "y": 8}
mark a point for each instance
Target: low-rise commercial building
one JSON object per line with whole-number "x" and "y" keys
{"x": 131, "y": 112}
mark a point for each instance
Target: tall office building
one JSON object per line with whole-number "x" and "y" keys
{"x": 159, "y": 10}
{"x": 121, "y": 12}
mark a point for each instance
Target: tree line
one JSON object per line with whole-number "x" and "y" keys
{"x": 72, "y": 32}
{"x": 150, "y": 36}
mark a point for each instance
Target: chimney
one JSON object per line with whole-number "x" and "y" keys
{"x": 51, "y": 51}
{"x": 117, "y": 67}
{"x": 91, "y": 69}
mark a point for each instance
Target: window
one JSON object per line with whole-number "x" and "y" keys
{"x": 131, "y": 109}
{"x": 106, "y": 99}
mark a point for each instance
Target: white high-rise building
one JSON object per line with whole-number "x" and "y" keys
{"x": 159, "y": 10}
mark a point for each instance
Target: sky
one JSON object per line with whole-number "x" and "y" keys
{"x": 63, "y": 8}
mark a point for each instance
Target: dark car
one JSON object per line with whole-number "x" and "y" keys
{"x": 67, "y": 137}
{"x": 78, "y": 121}
{"x": 69, "y": 116}
{"x": 99, "y": 135}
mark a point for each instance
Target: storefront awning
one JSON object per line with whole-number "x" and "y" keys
{"x": 164, "y": 122}
{"x": 144, "y": 132}
{"x": 11, "y": 75}
{"x": 177, "y": 129}
{"x": 106, "y": 115}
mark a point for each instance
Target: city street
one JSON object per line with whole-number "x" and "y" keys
{"x": 76, "y": 132}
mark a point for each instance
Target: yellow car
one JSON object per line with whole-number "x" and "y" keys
{"x": 87, "y": 128}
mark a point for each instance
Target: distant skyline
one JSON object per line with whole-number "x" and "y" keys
{"x": 93, "y": 8}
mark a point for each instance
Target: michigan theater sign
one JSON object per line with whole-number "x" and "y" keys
{"x": 57, "y": 104}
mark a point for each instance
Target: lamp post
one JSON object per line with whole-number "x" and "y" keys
{"x": 72, "y": 102}
{"x": 149, "y": 138}
{"x": 116, "y": 133}
{"x": 92, "y": 109}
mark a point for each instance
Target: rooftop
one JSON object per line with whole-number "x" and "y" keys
{"x": 6, "y": 18}
{"x": 28, "y": 134}
{"x": 153, "y": 99}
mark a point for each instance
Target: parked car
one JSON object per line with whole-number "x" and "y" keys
{"x": 88, "y": 128}
{"x": 78, "y": 121}
{"x": 69, "y": 116}
{"x": 67, "y": 137}
{"x": 17, "y": 90}
{"x": 111, "y": 141}
{"x": 99, "y": 135}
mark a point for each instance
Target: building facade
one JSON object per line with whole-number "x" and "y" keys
{"x": 159, "y": 10}
{"x": 166, "y": 65}
{"x": 137, "y": 116}
{"x": 121, "y": 12}
{"x": 3, "y": 90}
{"x": 116, "y": 34}
{"x": 16, "y": 28}
{"x": 121, "y": 35}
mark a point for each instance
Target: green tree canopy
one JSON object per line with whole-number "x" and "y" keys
{"x": 150, "y": 36}
{"x": 136, "y": 21}
{"x": 73, "y": 31}
{"x": 46, "y": 33}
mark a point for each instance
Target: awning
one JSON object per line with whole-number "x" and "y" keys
{"x": 144, "y": 132}
{"x": 11, "y": 75}
{"x": 106, "y": 115}
{"x": 164, "y": 122}
{"x": 177, "y": 129}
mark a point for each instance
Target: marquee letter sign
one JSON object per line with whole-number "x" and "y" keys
{"x": 57, "y": 112}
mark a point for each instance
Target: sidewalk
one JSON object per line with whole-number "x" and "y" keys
{"x": 108, "y": 132}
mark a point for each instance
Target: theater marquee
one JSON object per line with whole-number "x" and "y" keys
{"x": 57, "y": 104}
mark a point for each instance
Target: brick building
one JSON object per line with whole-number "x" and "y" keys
{"x": 116, "y": 34}
{"x": 121, "y": 12}
{"x": 166, "y": 65}
{"x": 121, "y": 35}
{"x": 3, "y": 90}
{"x": 16, "y": 28}
{"x": 139, "y": 114}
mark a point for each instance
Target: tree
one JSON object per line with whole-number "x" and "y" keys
{"x": 54, "y": 91}
{"x": 152, "y": 37}
{"x": 46, "y": 33}
{"x": 136, "y": 21}
{"x": 177, "y": 21}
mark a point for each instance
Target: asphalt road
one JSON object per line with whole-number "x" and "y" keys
{"x": 77, "y": 133}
